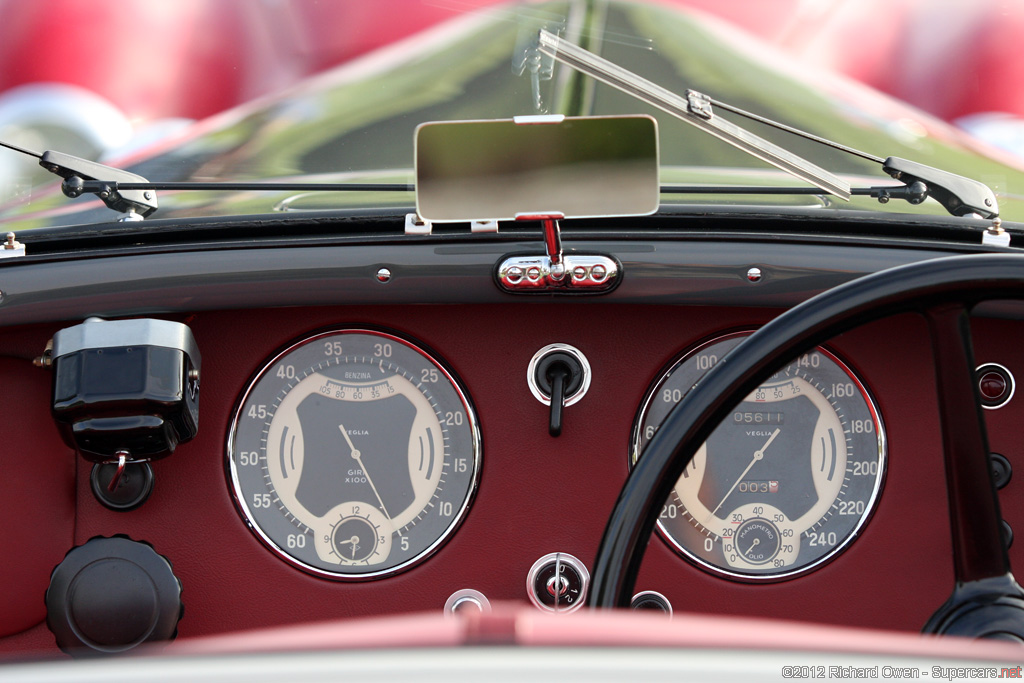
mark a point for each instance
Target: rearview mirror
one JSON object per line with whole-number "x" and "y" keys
{"x": 582, "y": 167}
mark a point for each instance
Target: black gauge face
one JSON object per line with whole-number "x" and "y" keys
{"x": 782, "y": 485}
{"x": 353, "y": 454}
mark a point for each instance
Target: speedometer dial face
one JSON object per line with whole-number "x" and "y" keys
{"x": 786, "y": 482}
{"x": 353, "y": 454}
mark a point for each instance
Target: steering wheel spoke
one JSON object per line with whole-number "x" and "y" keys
{"x": 978, "y": 550}
{"x": 986, "y": 600}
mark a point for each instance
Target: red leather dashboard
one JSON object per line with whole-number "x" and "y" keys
{"x": 537, "y": 494}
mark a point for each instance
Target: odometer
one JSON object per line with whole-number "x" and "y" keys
{"x": 353, "y": 454}
{"x": 782, "y": 485}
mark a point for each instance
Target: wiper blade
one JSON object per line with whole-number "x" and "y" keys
{"x": 959, "y": 195}
{"x": 695, "y": 109}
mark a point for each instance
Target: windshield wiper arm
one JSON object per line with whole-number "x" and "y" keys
{"x": 695, "y": 109}
{"x": 959, "y": 195}
{"x": 135, "y": 196}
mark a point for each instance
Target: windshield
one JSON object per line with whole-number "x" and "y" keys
{"x": 355, "y": 122}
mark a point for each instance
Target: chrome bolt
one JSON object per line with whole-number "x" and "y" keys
{"x": 148, "y": 194}
{"x": 193, "y": 374}
{"x": 988, "y": 202}
{"x": 754, "y": 274}
{"x": 45, "y": 360}
{"x": 514, "y": 274}
{"x": 598, "y": 273}
{"x": 579, "y": 272}
{"x": 533, "y": 273}
{"x": 557, "y": 271}
{"x": 383, "y": 275}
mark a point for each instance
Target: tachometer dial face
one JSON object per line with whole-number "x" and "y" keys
{"x": 353, "y": 454}
{"x": 786, "y": 482}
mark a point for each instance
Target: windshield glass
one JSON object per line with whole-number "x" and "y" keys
{"x": 354, "y": 122}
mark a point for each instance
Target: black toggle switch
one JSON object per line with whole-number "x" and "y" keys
{"x": 560, "y": 376}
{"x": 558, "y": 373}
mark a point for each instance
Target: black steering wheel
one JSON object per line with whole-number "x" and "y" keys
{"x": 986, "y": 601}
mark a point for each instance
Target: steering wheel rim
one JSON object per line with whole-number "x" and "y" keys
{"x": 944, "y": 290}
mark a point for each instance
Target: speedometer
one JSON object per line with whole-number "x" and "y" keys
{"x": 782, "y": 485}
{"x": 353, "y": 454}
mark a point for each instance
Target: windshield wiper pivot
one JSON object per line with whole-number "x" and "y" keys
{"x": 77, "y": 173}
{"x": 959, "y": 195}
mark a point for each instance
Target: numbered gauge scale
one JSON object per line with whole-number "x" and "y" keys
{"x": 353, "y": 454}
{"x": 783, "y": 484}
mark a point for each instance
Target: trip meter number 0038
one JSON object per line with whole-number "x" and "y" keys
{"x": 353, "y": 454}
{"x": 786, "y": 482}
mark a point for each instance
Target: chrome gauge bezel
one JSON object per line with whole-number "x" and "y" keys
{"x": 840, "y": 547}
{"x": 472, "y": 424}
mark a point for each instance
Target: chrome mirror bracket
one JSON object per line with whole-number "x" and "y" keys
{"x": 556, "y": 271}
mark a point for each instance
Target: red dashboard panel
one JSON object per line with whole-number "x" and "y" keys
{"x": 37, "y": 488}
{"x": 537, "y": 494}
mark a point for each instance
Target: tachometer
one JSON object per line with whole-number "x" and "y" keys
{"x": 786, "y": 482}
{"x": 353, "y": 454}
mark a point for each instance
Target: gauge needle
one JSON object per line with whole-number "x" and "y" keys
{"x": 355, "y": 545}
{"x": 758, "y": 455}
{"x": 358, "y": 457}
{"x": 752, "y": 545}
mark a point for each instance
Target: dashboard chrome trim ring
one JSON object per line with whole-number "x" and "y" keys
{"x": 466, "y": 596}
{"x": 472, "y": 425}
{"x": 1005, "y": 372}
{"x": 833, "y": 552}
{"x": 559, "y": 560}
{"x": 531, "y": 373}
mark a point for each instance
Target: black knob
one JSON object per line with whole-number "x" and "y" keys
{"x": 1002, "y": 471}
{"x": 111, "y": 595}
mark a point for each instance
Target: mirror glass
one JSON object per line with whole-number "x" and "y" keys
{"x": 580, "y": 167}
